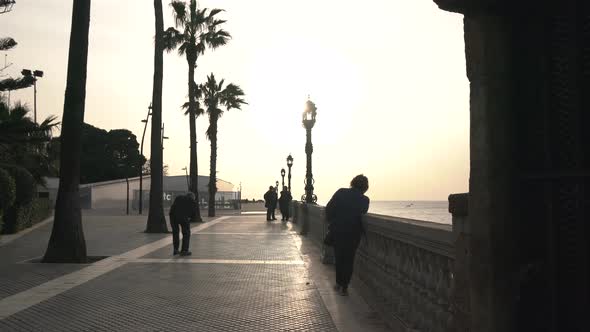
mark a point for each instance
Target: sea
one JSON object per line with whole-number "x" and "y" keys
{"x": 435, "y": 211}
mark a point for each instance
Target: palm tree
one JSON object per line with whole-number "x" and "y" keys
{"x": 67, "y": 244}
{"x": 156, "y": 222}
{"x": 216, "y": 95}
{"x": 199, "y": 32}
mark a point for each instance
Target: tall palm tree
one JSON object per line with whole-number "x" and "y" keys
{"x": 215, "y": 95}
{"x": 67, "y": 244}
{"x": 199, "y": 32}
{"x": 156, "y": 222}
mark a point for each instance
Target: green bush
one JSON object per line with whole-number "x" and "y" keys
{"x": 42, "y": 209}
{"x": 7, "y": 192}
{"x": 18, "y": 216}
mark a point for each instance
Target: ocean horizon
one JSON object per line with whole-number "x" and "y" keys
{"x": 434, "y": 211}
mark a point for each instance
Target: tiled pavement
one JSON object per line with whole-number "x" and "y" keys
{"x": 244, "y": 275}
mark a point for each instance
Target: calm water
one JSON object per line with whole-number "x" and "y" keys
{"x": 436, "y": 211}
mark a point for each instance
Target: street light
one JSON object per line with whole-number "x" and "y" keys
{"x": 33, "y": 74}
{"x": 283, "y": 176}
{"x": 289, "y": 164}
{"x": 308, "y": 120}
{"x": 188, "y": 186}
{"x": 146, "y": 120}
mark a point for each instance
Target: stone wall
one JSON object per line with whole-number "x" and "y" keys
{"x": 404, "y": 268}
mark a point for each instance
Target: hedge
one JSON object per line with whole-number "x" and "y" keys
{"x": 19, "y": 216}
{"x": 7, "y": 192}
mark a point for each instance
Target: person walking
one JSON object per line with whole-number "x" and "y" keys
{"x": 284, "y": 202}
{"x": 270, "y": 202}
{"x": 183, "y": 209}
{"x": 344, "y": 214}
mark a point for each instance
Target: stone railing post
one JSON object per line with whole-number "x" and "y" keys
{"x": 304, "y": 219}
{"x": 460, "y": 289}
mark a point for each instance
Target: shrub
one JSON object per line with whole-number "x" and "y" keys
{"x": 7, "y": 193}
{"x": 18, "y": 216}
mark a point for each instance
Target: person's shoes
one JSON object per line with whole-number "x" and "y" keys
{"x": 185, "y": 253}
{"x": 274, "y": 218}
{"x": 175, "y": 253}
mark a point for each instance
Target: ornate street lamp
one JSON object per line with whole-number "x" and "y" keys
{"x": 283, "y": 176}
{"x": 289, "y": 164}
{"x": 308, "y": 121}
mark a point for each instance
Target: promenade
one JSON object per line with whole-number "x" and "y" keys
{"x": 244, "y": 275}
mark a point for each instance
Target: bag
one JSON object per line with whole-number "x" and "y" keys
{"x": 329, "y": 238}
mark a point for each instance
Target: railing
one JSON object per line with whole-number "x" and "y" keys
{"x": 405, "y": 269}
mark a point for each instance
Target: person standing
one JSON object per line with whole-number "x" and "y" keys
{"x": 183, "y": 209}
{"x": 344, "y": 214}
{"x": 284, "y": 202}
{"x": 270, "y": 202}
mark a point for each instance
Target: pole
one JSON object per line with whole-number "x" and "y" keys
{"x": 308, "y": 173}
{"x": 35, "y": 98}
{"x": 127, "y": 180}
{"x": 289, "y": 178}
{"x": 147, "y": 118}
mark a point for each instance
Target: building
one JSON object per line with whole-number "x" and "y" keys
{"x": 112, "y": 195}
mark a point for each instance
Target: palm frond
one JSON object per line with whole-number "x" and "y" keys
{"x": 172, "y": 38}
{"x": 180, "y": 13}
{"x": 215, "y": 39}
{"x": 11, "y": 84}
{"x": 7, "y": 43}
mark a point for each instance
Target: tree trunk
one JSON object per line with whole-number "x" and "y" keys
{"x": 156, "y": 222}
{"x": 192, "y": 110}
{"x": 213, "y": 166}
{"x": 67, "y": 244}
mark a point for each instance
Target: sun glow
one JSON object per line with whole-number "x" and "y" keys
{"x": 286, "y": 74}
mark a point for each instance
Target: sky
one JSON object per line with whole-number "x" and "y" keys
{"x": 387, "y": 77}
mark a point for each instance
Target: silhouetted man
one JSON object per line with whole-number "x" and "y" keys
{"x": 270, "y": 202}
{"x": 284, "y": 202}
{"x": 182, "y": 211}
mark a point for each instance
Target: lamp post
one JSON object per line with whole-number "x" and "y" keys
{"x": 309, "y": 116}
{"x": 146, "y": 120}
{"x": 283, "y": 176}
{"x": 33, "y": 74}
{"x": 127, "y": 181}
{"x": 188, "y": 185}
{"x": 289, "y": 165}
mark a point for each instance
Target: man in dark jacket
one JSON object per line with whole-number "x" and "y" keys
{"x": 284, "y": 203}
{"x": 270, "y": 202}
{"x": 183, "y": 209}
{"x": 344, "y": 214}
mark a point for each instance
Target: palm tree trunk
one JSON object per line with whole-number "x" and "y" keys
{"x": 213, "y": 166}
{"x": 156, "y": 222}
{"x": 67, "y": 243}
{"x": 192, "y": 110}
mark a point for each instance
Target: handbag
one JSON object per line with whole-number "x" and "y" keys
{"x": 329, "y": 238}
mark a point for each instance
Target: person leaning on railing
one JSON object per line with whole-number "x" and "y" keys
{"x": 344, "y": 215}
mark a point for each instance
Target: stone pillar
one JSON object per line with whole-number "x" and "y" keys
{"x": 529, "y": 193}
{"x": 460, "y": 293}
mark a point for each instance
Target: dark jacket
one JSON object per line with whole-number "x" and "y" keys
{"x": 345, "y": 209}
{"x": 183, "y": 209}
{"x": 270, "y": 199}
{"x": 285, "y": 199}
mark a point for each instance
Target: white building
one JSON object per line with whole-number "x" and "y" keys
{"x": 112, "y": 195}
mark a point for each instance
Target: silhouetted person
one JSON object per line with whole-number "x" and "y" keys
{"x": 270, "y": 202}
{"x": 183, "y": 209}
{"x": 284, "y": 202}
{"x": 344, "y": 214}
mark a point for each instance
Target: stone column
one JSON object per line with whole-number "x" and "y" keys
{"x": 529, "y": 192}
{"x": 460, "y": 292}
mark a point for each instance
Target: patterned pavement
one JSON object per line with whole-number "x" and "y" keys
{"x": 244, "y": 275}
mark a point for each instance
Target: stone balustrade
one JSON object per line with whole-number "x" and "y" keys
{"x": 405, "y": 269}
